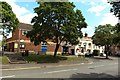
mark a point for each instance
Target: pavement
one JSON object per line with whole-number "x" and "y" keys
{"x": 45, "y": 65}
{"x": 40, "y": 65}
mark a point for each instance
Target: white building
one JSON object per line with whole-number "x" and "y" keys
{"x": 85, "y": 46}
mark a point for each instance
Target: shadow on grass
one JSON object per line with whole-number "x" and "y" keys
{"x": 44, "y": 58}
{"x": 93, "y": 76}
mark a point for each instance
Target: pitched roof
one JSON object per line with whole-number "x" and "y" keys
{"x": 25, "y": 26}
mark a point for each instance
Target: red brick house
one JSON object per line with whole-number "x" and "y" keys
{"x": 115, "y": 50}
{"x": 19, "y": 42}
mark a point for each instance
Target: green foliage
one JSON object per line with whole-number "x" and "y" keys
{"x": 0, "y": 43}
{"x": 116, "y": 39}
{"x": 96, "y": 52}
{"x": 7, "y": 16}
{"x": 103, "y": 35}
{"x": 32, "y": 58}
{"x": 56, "y": 21}
{"x": 116, "y": 8}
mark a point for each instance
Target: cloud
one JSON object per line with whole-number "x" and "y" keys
{"x": 22, "y": 13}
{"x": 108, "y": 18}
{"x": 97, "y": 6}
{"x": 26, "y": 18}
{"x": 96, "y": 9}
{"x": 90, "y": 30}
{"x": 92, "y": 3}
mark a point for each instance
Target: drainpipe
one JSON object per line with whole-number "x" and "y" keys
{"x": 19, "y": 41}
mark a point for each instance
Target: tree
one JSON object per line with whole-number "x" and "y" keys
{"x": 115, "y": 8}
{"x": 56, "y": 21}
{"x": 103, "y": 36}
{"x": 8, "y": 19}
{"x": 116, "y": 39}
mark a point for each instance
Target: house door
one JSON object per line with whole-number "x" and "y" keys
{"x": 72, "y": 51}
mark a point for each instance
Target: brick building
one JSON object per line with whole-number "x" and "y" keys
{"x": 19, "y": 42}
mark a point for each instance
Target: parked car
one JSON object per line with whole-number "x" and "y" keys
{"x": 102, "y": 54}
{"x": 88, "y": 54}
{"x": 117, "y": 54}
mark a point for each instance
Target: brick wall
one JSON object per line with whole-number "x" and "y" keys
{"x": 17, "y": 35}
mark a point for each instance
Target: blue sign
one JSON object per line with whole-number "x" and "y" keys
{"x": 44, "y": 48}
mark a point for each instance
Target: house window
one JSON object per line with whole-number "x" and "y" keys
{"x": 22, "y": 46}
{"x": 99, "y": 47}
{"x": 24, "y": 32}
{"x": 89, "y": 44}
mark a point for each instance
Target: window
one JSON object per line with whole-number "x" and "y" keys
{"x": 99, "y": 47}
{"x": 89, "y": 44}
{"x": 24, "y": 32}
{"x": 22, "y": 46}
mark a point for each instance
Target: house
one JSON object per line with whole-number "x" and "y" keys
{"x": 115, "y": 50}
{"x": 19, "y": 42}
{"x": 85, "y": 46}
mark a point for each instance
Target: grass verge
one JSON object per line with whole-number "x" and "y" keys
{"x": 3, "y": 60}
{"x": 32, "y": 58}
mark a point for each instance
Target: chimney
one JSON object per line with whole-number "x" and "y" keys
{"x": 86, "y": 35}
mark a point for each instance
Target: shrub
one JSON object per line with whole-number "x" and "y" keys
{"x": 96, "y": 52}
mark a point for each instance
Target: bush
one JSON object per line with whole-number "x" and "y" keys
{"x": 65, "y": 54}
{"x": 96, "y": 52}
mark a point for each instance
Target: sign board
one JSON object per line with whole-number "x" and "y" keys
{"x": 16, "y": 45}
{"x": 44, "y": 48}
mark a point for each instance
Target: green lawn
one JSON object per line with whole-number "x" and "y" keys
{"x": 32, "y": 58}
{"x": 3, "y": 60}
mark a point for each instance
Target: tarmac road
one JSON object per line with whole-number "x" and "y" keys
{"x": 98, "y": 69}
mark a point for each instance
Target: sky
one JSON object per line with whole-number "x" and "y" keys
{"x": 96, "y": 12}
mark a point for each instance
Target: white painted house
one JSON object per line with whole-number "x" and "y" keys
{"x": 85, "y": 46}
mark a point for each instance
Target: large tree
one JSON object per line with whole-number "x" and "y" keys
{"x": 8, "y": 20}
{"x": 57, "y": 21}
{"x": 116, "y": 39}
{"x": 103, "y": 36}
{"x": 115, "y": 7}
{"x": 116, "y": 10}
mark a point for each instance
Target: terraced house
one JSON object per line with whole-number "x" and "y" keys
{"x": 19, "y": 42}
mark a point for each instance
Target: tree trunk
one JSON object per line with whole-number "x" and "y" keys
{"x": 3, "y": 43}
{"x": 107, "y": 55}
{"x": 106, "y": 51}
{"x": 56, "y": 49}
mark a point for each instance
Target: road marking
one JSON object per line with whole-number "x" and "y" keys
{"x": 90, "y": 63}
{"x": 96, "y": 66}
{"x": 60, "y": 71}
{"x": 82, "y": 63}
{"x": 7, "y": 76}
{"x": 65, "y": 65}
{"x": 113, "y": 64}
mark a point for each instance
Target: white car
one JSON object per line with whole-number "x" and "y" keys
{"x": 103, "y": 54}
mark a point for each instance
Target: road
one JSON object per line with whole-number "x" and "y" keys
{"x": 97, "y": 69}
